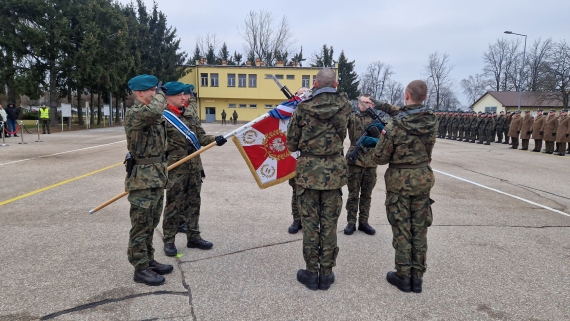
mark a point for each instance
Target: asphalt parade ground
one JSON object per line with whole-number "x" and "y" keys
{"x": 499, "y": 247}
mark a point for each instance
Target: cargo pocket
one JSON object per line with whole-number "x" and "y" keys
{"x": 392, "y": 208}
{"x": 429, "y": 219}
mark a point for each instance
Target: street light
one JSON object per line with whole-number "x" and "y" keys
{"x": 522, "y": 65}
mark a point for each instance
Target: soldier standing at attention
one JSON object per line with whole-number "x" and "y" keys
{"x": 146, "y": 176}
{"x": 490, "y": 129}
{"x": 506, "y": 126}
{"x": 361, "y": 173}
{"x": 482, "y": 127}
{"x": 537, "y": 133}
{"x": 224, "y": 117}
{"x": 185, "y": 181}
{"x": 526, "y": 129}
{"x": 499, "y": 127}
{"x": 407, "y": 148}
{"x": 296, "y": 225}
{"x": 515, "y": 129}
{"x": 235, "y": 115}
{"x": 562, "y": 132}
{"x": 317, "y": 129}
{"x": 549, "y": 132}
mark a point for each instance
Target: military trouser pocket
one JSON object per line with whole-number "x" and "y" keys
{"x": 392, "y": 208}
{"x": 429, "y": 218}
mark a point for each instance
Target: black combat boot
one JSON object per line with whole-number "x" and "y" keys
{"x": 366, "y": 228}
{"x": 505, "y": 143}
{"x": 201, "y": 244}
{"x": 416, "y": 285}
{"x": 350, "y": 228}
{"x": 182, "y": 228}
{"x": 472, "y": 141}
{"x": 160, "y": 268}
{"x": 487, "y": 143}
{"x": 401, "y": 282}
{"x": 479, "y": 142}
{"x": 295, "y": 227}
{"x": 170, "y": 249}
{"x": 148, "y": 277}
{"x": 309, "y": 279}
{"x": 498, "y": 142}
{"x": 325, "y": 281}
{"x": 465, "y": 140}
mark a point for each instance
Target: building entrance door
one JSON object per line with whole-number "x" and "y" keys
{"x": 210, "y": 114}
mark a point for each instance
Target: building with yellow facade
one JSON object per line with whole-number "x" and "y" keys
{"x": 245, "y": 89}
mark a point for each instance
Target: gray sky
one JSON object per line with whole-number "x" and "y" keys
{"x": 399, "y": 33}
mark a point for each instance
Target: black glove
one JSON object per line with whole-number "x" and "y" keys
{"x": 220, "y": 140}
{"x": 553, "y": 134}
{"x": 567, "y": 135}
{"x": 541, "y": 132}
{"x": 519, "y": 132}
{"x": 160, "y": 88}
{"x": 529, "y": 132}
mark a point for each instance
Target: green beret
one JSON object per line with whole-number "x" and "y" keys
{"x": 174, "y": 88}
{"x": 142, "y": 82}
{"x": 188, "y": 88}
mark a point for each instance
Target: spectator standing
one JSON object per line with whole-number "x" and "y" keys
{"x": 12, "y": 116}
{"x": 44, "y": 119}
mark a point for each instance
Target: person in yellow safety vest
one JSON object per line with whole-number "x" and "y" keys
{"x": 44, "y": 119}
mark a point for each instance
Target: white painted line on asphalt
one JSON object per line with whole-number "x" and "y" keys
{"x": 69, "y": 151}
{"x": 504, "y": 193}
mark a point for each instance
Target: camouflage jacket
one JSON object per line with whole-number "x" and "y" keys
{"x": 177, "y": 141}
{"x": 357, "y": 124}
{"x": 317, "y": 129}
{"x": 408, "y": 141}
{"x": 500, "y": 121}
{"x": 146, "y": 138}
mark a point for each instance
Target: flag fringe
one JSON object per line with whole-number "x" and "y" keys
{"x": 254, "y": 172}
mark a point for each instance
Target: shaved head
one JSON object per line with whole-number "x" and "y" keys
{"x": 326, "y": 78}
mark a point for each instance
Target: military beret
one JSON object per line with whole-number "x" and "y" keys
{"x": 188, "y": 88}
{"x": 479, "y": 112}
{"x": 540, "y": 109}
{"x": 517, "y": 112}
{"x": 564, "y": 111}
{"x": 142, "y": 82}
{"x": 552, "y": 111}
{"x": 527, "y": 111}
{"x": 174, "y": 88}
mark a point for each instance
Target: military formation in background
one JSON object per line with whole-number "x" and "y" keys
{"x": 487, "y": 127}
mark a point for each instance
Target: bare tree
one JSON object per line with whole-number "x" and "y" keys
{"x": 437, "y": 71}
{"x": 395, "y": 93}
{"x": 474, "y": 87}
{"x": 376, "y": 79}
{"x": 501, "y": 61}
{"x": 537, "y": 66}
{"x": 264, "y": 38}
{"x": 559, "y": 72}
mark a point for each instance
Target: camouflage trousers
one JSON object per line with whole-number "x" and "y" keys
{"x": 410, "y": 217}
{"x": 506, "y": 133}
{"x": 146, "y": 207}
{"x": 499, "y": 132}
{"x": 294, "y": 207}
{"x": 474, "y": 133}
{"x": 361, "y": 182}
{"x": 442, "y": 131}
{"x": 449, "y": 131}
{"x": 182, "y": 205}
{"x": 461, "y": 133}
{"x": 489, "y": 135}
{"x": 319, "y": 215}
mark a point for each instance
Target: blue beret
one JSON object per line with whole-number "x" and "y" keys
{"x": 173, "y": 88}
{"x": 188, "y": 88}
{"x": 142, "y": 82}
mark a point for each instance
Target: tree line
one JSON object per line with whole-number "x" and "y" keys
{"x": 75, "y": 47}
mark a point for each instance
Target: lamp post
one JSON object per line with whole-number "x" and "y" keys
{"x": 522, "y": 65}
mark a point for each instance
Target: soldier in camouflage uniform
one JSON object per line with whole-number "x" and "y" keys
{"x": 460, "y": 125}
{"x": 407, "y": 148}
{"x": 185, "y": 181}
{"x": 361, "y": 172}
{"x": 499, "y": 127}
{"x": 489, "y": 129}
{"x": 470, "y": 125}
{"x": 317, "y": 129}
{"x": 443, "y": 125}
{"x": 506, "y": 126}
{"x": 146, "y": 142}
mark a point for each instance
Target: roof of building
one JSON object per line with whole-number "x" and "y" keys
{"x": 528, "y": 99}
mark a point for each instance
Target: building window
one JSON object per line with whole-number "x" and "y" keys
{"x": 231, "y": 105}
{"x": 253, "y": 81}
{"x": 314, "y": 79}
{"x": 291, "y": 77}
{"x": 491, "y": 109}
{"x": 252, "y": 105}
{"x": 305, "y": 81}
{"x": 279, "y": 76}
{"x": 204, "y": 80}
{"x": 268, "y": 106}
{"x": 214, "y": 80}
{"x": 241, "y": 80}
{"x": 231, "y": 80}
{"x": 242, "y": 106}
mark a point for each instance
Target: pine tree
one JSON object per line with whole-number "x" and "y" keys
{"x": 347, "y": 77}
{"x": 325, "y": 59}
{"x": 223, "y": 54}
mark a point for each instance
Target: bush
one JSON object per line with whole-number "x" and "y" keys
{"x": 30, "y": 116}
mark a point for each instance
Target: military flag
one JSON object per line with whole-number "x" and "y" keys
{"x": 263, "y": 145}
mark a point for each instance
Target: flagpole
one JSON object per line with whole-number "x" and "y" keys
{"x": 187, "y": 158}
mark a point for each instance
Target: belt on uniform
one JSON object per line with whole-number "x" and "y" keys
{"x": 397, "y": 166}
{"x": 307, "y": 154}
{"x": 150, "y": 160}
{"x": 178, "y": 152}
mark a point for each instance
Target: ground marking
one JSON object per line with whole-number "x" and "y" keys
{"x": 57, "y": 184}
{"x": 69, "y": 151}
{"x": 501, "y": 192}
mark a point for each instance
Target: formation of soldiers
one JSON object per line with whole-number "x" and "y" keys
{"x": 487, "y": 127}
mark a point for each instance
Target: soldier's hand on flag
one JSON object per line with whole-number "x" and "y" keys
{"x": 220, "y": 140}
{"x": 369, "y": 141}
